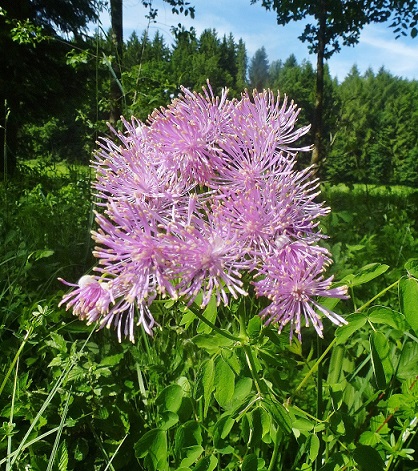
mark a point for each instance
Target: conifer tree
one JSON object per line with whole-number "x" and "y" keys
{"x": 259, "y": 70}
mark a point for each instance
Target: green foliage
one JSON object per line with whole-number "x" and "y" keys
{"x": 374, "y": 141}
{"x": 211, "y": 390}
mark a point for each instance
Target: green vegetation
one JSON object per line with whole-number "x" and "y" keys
{"x": 72, "y": 399}
{"x": 213, "y": 390}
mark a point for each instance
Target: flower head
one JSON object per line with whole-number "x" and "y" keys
{"x": 204, "y": 193}
{"x": 292, "y": 284}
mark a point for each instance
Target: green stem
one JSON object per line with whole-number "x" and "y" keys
{"x": 315, "y": 366}
{"x": 249, "y": 354}
{"x": 319, "y": 408}
{"x": 361, "y": 308}
{"x": 275, "y": 455}
{"x": 253, "y": 369}
{"x": 222, "y": 332}
{"x": 15, "y": 359}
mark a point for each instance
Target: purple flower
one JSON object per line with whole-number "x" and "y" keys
{"x": 292, "y": 285}
{"x": 208, "y": 258}
{"x": 186, "y": 134}
{"x": 134, "y": 172}
{"x": 93, "y": 300}
{"x": 261, "y": 114}
{"x": 132, "y": 247}
{"x": 198, "y": 200}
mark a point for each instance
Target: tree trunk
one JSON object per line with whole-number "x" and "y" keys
{"x": 116, "y": 93}
{"x": 8, "y": 140}
{"x": 317, "y": 125}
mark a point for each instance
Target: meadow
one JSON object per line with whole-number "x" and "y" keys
{"x": 214, "y": 390}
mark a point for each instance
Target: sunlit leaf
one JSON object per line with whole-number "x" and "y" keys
{"x": 367, "y": 273}
{"x": 378, "y": 370}
{"x": 384, "y": 315}
{"x": 354, "y": 323}
{"x": 224, "y": 382}
{"x": 408, "y": 292}
{"x": 170, "y": 398}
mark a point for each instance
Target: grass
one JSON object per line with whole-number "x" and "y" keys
{"x": 71, "y": 399}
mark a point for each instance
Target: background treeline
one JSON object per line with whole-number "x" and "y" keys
{"x": 371, "y": 119}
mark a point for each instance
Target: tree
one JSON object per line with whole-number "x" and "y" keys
{"x": 116, "y": 91}
{"x": 259, "y": 69}
{"x": 333, "y": 23}
{"x": 242, "y": 66}
{"x": 32, "y": 54}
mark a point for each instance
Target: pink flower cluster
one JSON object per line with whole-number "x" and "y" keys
{"x": 206, "y": 192}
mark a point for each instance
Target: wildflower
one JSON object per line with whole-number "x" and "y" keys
{"x": 292, "y": 289}
{"x": 129, "y": 245}
{"x": 186, "y": 133}
{"x": 93, "y": 300}
{"x": 90, "y": 300}
{"x": 196, "y": 201}
{"x": 261, "y": 114}
{"x": 133, "y": 171}
{"x": 208, "y": 257}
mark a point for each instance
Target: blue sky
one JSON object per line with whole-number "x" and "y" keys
{"x": 257, "y": 27}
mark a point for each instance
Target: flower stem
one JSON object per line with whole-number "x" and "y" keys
{"x": 367, "y": 304}
{"x": 203, "y": 319}
{"x": 315, "y": 366}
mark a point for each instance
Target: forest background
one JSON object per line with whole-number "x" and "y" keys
{"x": 74, "y": 398}
{"x": 369, "y": 120}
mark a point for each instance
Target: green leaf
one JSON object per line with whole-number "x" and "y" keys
{"x": 153, "y": 447}
{"x": 255, "y": 420}
{"x": 370, "y": 438}
{"x": 302, "y": 425}
{"x": 207, "y": 382}
{"x": 249, "y": 463}
{"x": 187, "y": 435}
{"x": 57, "y": 342}
{"x": 254, "y": 327}
{"x": 336, "y": 364}
{"x": 384, "y": 315}
{"x": 233, "y": 360}
{"x": 112, "y": 360}
{"x": 224, "y": 382}
{"x": 169, "y": 419}
{"x": 81, "y": 449}
{"x": 279, "y": 415}
{"x": 313, "y": 446}
{"x": 354, "y": 323}
{"x": 242, "y": 390}
{"x": 408, "y": 364}
{"x": 210, "y": 314}
{"x": 383, "y": 349}
{"x": 367, "y": 273}
{"x": 63, "y": 457}
{"x": 187, "y": 318}
{"x": 212, "y": 343}
{"x": 368, "y": 459}
{"x": 192, "y": 455}
{"x": 221, "y": 429}
{"x": 170, "y": 398}
{"x": 209, "y": 463}
{"x": 408, "y": 291}
{"x": 378, "y": 370}
{"x": 39, "y": 254}
{"x": 411, "y": 266}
